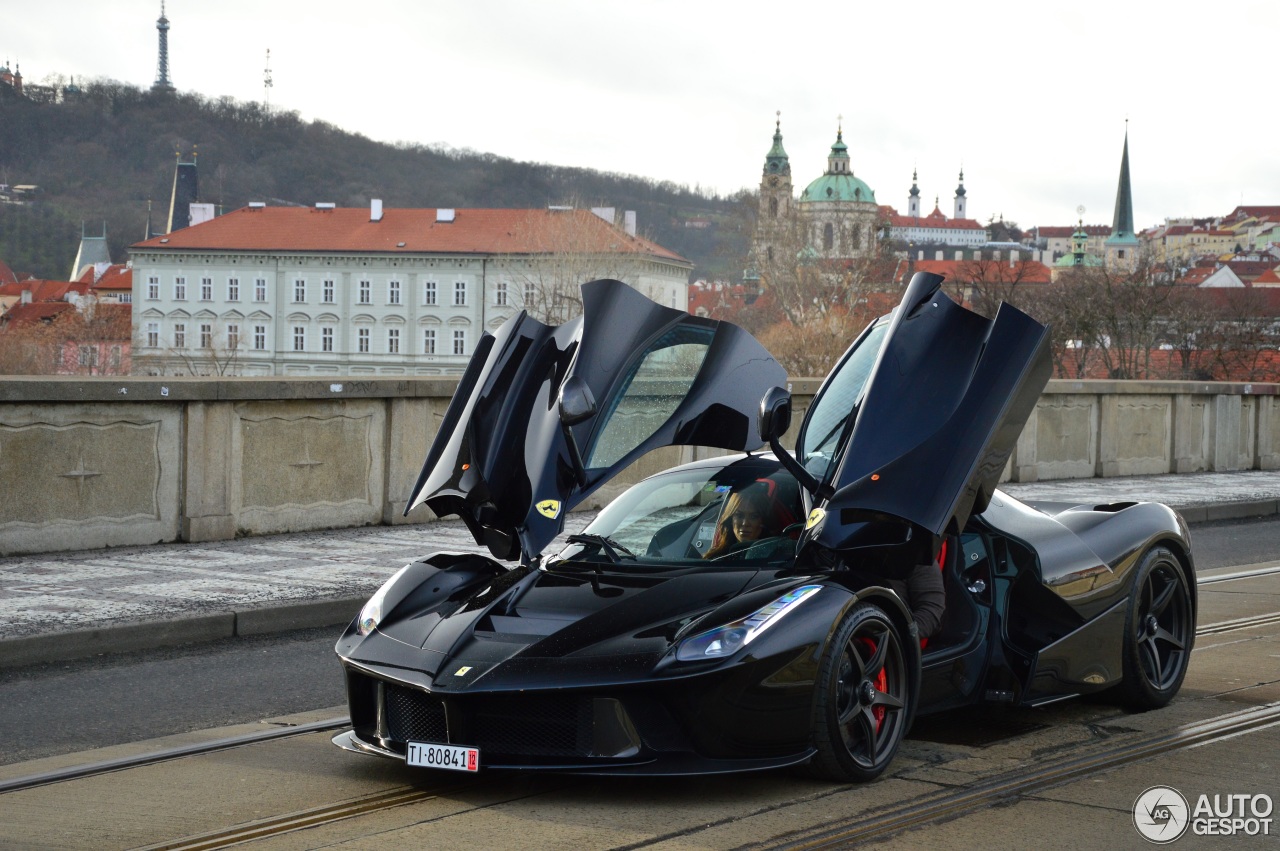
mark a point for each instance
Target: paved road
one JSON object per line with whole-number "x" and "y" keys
{"x": 330, "y": 798}
{"x": 63, "y": 707}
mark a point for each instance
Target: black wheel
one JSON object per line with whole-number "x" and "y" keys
{"x": 1159, "y": 632}
{"x": 861, "y": 699}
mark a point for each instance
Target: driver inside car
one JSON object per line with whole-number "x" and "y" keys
{"x": 745, "y": 518}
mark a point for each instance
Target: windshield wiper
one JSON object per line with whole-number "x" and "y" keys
{"x": 608, "y": 545}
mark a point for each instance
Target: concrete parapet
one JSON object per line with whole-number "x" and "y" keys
{"x": 122, "y": 461}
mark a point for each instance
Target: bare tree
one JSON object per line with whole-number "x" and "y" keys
{"x": 563, "y": 248}
{"x": 985, "y": 283}
{"x": 29, "y": 349}
{"x": 215, "y": 352}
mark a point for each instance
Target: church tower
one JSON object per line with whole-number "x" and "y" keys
{"x": 186, "y": 191}
{"x": 1122, "y": 245}
{"x": 913, "y": 197}
{"x": 774, "y": 216}
{"x": 961, "y": 211}
{"x": 162, "y": 83}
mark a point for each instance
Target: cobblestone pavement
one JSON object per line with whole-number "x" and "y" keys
{"x": 62, "y": 592}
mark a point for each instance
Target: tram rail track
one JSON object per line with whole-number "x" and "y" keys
{"x": 1021, "y": 782}
{"x": 943, "y": 804}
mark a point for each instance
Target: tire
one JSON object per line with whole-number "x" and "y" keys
{"x": 1159, "y": 632}
{"x": 861, "y": 705}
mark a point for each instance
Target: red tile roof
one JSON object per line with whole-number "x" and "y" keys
{"x": 1268, "y": 278}
{"x": 6, "y": 274}
{"x": 1065, "y": 232}
{"x": 118, "y": 277}
{"x": 1261, "y": 212}
{"x": 43, "y": 290}
{"x": 409, "y": 232}
{"x": 993, "y": 271}
{"x": 30, "y": 314}
{"x": 934, "y": 221}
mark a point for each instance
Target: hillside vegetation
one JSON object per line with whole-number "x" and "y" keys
{"x": 100, "y": 155}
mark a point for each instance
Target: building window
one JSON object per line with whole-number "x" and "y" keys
{"x": 300, "y": 291}
{"x": 327, "y": 292}
{"x": 326, "y": 339}
{"x": 393, "y": 341}
{"x": 153, "y": 335}
{"x": 126, "y": 298}
{"x": 180, "y": 336}
{"x": 233, "y": 337}
{"x": 179, "y": 289}
{"x": 260, "y": 289}
{"x": 206, "y": 289}
{"x": 206, "y": 336}
{"x": 362, "y": 340}
{"x": 299, "y": 338}
{"x": 828, "y": 237}
{"x": 459, "y": 342}
{"x": 460, "y": 294}
{"x": 773, "y": 208}
{"x": 500, "y": 294}
{"x": 365, "y": 289}
{"x": 429, "y": 292}
{"x": 260, "y": 337}
{"x": 428, "y": 341}
{"x": 88, "y": 356}
{"x": 233, "y": 289}
{"x": 530, "y": 293}
{"x": 114, "y": 362}
{"x": 153, "y": 287}
{"x": 393, "y": 292}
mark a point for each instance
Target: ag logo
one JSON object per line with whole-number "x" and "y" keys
{"x": 815, "y": 517}
{"x": 1161, "y": 814}
{"x": 549, "y": 508}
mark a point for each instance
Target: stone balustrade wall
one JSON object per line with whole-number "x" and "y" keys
{"x": 113, "y": 462}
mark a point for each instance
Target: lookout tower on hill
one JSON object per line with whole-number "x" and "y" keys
{"x": 162, "y": 83}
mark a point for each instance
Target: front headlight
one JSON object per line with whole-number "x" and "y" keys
{"x": 371, "y": 614}
{"x": 728, "y": 639}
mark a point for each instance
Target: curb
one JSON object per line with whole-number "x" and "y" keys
{"x": 1211, "y": 512}
{"x": 151, "y": 635}
{"x": 310, "y": 614}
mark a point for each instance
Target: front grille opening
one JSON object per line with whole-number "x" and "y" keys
{"x": 414, "y": 716}
{"x": 533, "y": 726}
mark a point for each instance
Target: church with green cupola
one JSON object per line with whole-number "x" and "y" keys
{"x": 835, "y": 218}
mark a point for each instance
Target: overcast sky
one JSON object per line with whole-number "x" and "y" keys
{"x": 1030, "y": 98}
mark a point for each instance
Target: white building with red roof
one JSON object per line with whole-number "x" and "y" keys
{"x": 371, "y": 291}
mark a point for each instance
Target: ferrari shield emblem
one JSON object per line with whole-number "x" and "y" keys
{"x": 549, "y": 508}
{"x": 815, "y": 517}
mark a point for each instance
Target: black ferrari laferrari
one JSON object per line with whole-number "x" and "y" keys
{"x": 750, "y": 611}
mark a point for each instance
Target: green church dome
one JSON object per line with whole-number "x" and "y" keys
{"x": 838, "y": 187}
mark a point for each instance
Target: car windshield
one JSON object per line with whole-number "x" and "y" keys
{"x": 836, "y": 403}
{"x": 747, "y": 512}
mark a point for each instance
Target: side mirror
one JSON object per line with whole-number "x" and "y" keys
{"x": 576, "y": 401}
{"x": 773, "y": 421}
{"x": 775, "y": 414}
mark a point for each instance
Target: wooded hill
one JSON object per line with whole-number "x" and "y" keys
{"x": 100, "y": 155}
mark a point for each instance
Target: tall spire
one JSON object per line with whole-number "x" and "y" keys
{"x": 838, "y": 159}
{"x": 913, "y": 197}
{"x": 777, "y": 161}
{"x": 960, "y": 210}
{"x": 162, "y": 83}
{"x": 1122, "y": 222}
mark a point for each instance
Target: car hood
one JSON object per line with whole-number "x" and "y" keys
{"x": 937, "y": 417}
{"x": 505, "y": 461}
{"x": 526, "y": 618}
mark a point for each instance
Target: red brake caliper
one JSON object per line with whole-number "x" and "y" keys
{"x": 881, "y": 682}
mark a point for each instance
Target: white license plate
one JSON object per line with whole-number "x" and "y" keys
{"x": 450, "y": 757}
